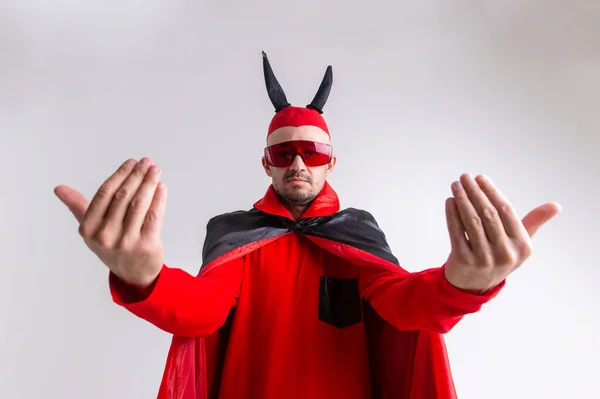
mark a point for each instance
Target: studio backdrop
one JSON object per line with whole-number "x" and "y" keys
{"x": 422, "y": 92}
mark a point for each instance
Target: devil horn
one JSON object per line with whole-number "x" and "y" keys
{"x": 274, "y": 89}
{"x": 323, "y": 93}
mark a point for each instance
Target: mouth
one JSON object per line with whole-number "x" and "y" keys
{"x": 297, "y": 179}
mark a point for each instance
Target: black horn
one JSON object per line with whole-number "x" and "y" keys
{"x": 321, "y": 97}
{"x": 274, "y": 89}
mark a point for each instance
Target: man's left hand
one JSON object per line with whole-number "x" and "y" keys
{"x": 496, "y": 243}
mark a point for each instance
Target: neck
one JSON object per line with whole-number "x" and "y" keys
{"x": 296, "y": 210}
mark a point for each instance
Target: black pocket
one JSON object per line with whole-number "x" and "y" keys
{"x": 339, "y": 302}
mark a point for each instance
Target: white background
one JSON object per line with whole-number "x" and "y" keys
{"x": 423, "y": 91}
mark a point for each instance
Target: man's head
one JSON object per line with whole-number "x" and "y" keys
{"x": 308, "y": 152}
{"x": 298, "y": 157}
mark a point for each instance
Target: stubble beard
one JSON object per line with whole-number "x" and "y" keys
{"x": 296, "y": 195}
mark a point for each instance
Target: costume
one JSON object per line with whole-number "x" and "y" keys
{"x": 312, "y": 308}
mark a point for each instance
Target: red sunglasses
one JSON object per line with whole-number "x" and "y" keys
{"x": 312, "y": 153}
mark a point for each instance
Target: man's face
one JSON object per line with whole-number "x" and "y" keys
{"x": 298, "y": 184}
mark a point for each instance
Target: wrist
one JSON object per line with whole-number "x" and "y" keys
{"x": 146, "y": 282}
{"x": 139, "y": 282}
{"x": 468, "y": 286}
{"x": 125, "y": 291}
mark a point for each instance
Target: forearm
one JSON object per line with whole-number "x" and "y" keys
{"x": 420, "y": 301}
{"x": 180, "y": 303}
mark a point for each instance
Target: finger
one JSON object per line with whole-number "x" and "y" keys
{"x": 95, "y": 213}
{"x": 486, "y": 211}
{"x": 155, "y": 215}
{"x": 136, "y": 212}
{"x": 73, "y": 199}
{"x": 458, "y": 240}
{"x": 539, "y": 216}
{"x": 123, "y": 196}
{"x": 470, "y": 220}
{"x": 509, "y": 217}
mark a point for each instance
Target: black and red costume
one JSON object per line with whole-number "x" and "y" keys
{"x": 311, "y": 308}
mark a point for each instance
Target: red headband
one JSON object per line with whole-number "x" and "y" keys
{"x": 288, "y": 115}
{"x": 297, "y": 116}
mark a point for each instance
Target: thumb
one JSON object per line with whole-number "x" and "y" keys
{"x": 73, "y": 199}
{"x": 539, "y": 216}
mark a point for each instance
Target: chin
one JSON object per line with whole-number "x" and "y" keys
{"x": 299, "y": 196}
{"x": 296, "y": 192}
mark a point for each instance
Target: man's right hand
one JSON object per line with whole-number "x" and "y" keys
{"x": 122, "y": 224}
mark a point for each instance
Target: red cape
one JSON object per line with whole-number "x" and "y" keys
{"x": 404, "y": 364}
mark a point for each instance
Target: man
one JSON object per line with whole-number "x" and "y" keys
{"x": 297, "y": 298}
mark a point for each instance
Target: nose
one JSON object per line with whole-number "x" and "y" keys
{"x": 298, "y": 164}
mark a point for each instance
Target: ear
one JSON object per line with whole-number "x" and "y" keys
{"x": 266, "y": 167}
{"x": 330, "y": 166}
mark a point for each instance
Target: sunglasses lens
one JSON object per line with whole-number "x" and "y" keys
{"x": 312, "y": 153}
